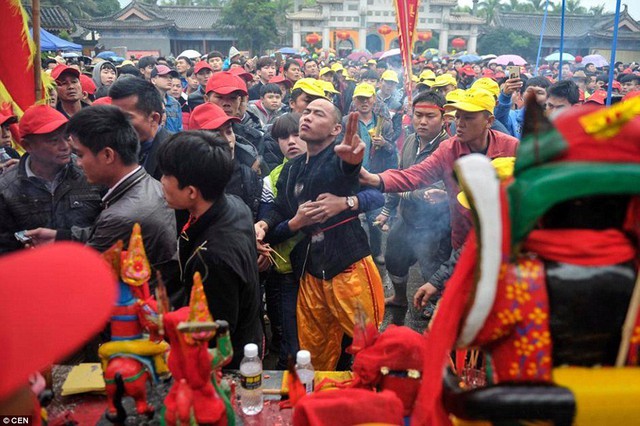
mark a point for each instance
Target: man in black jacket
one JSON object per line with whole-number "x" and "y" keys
{"x": 142, "y": 103}
{"x": 46, "y": 189}
{"x": 218, "y": 240}
{"x": 333, "y": 260}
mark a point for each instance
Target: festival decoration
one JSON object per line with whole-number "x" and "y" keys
{"x": 406, "y": 18}
{"x": 313, "y": 38}
{"x": 564, "y": 227}
{"x": 425, "y": 36}
{"x": 129, "y": 360}
{"x": 342, "y": 35}
{"x": 197, "y": 396}
{"x": 458, "y": 43}
{"x": 384, "y": 29}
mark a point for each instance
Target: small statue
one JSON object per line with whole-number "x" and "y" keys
{"x": 129, "y": 360}
{"x": 196, "y": 394}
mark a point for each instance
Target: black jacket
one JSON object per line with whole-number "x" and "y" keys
{"x": 150, "y": 160}
{"x": 196, "y": 98}
{"x": 340, "y": 241}
{"x": 25, "y": 203}
{"x": 221, "y": 246}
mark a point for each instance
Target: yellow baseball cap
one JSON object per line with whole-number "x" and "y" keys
{"x": 372, "y": 61}
{"x": 337, "y": 66}
{"x": 325, "y": 70}
{"x": 390, "y": 75}
{"x": 310, "y": 86}
{"x": 444, "y": 80}
{"x": 454, "y": 95}
{"x": 427, "y": 75}
{"x": 474, "y": 100}
{"x": 327, "y": 86}
{"x": 364, "y": 89}
{"x": 415, "y": 79}
{"x": 487, "y": 84}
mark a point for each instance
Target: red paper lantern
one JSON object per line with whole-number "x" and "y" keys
{"x": 385, "y": 29}
{"x": 342, "y": 35}
{"x": 458, "y": 43}
{"x": 313, "y": 38}
{"x": 425, "y": 36}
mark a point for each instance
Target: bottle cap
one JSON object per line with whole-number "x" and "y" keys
{"x": 250, "y": 350}
{"x": 303, "y": 357}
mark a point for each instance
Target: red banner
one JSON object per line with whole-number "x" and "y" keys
{"x": 406, "y": 18}
{"x": 17, "y": 82}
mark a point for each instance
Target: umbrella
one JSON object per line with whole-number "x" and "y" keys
{"x": 470, "y": 58}
{"x": 389, "y": 53}
{"x": 71, "y": 55}
{"x": 190, "y": 53}
{"x": 490, "y": 56}
{"x": 598, "y": 60}
{"x": 107, "y": 54}
{"x": 355, "y": 56}
{"x": 377, "y": 55}
{"x": 49, "y": 42}
{"x": 505, "y": 59}
{"x": 430, "y": 53}
{"x": 556, "y": 57}
{"x": 288, "y": 51}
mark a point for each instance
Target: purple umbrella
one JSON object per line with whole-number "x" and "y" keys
{"x": 505, "y": 59}
{"x": 596, "y": 60}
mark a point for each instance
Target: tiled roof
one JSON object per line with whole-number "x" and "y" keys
{"x": 443, "y": 3}
{"x": 190, "y": 17}
{"x": 52, "y": 18}
{"x": 575, "y": 25}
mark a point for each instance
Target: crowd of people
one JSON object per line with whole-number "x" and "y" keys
{"x": 267, "y": 173}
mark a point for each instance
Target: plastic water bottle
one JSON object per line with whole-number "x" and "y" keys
{"x": 251, "y": 381}
{"x": 4, "y": 157}
{"x": 305, "y": 370}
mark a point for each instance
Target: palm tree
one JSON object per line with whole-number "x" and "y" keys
{"x": 596, "y": 10}
{"x": 574, "y": 7}
{"x": 489, "y": 8}
{"x": 538, "y": 5}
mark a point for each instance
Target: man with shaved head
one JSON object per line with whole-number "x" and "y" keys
{"x": 333, "y": 260}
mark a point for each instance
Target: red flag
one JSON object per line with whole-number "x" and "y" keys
{"x": 17, "y": 81}
{"x": 406, "y": 17}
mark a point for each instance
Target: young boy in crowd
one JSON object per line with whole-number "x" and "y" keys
{"x": 269, "y": 106}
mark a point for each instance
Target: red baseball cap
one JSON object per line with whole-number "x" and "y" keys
{"x": 242, "y": 73}
{"x": 202, "y": 65}
{"x": 87, "y": 84}
{"x": 105, "y": 100}
{"x": 40, "y": 120}
{"x": 616, "y": 85}
{"x": 488, "y": 72}
{"x": 42, "y": 304}
{"x": 164, "y": 70}
{"x": 225, "y": 83}
{"x": 209, "y": 116}
{"x": 598, "y": 97}
{"x": 468, "y": 70}
{"x": 61, "y": 69}
{"x": 276, "y": 79}
{"x": 7, "y": 118}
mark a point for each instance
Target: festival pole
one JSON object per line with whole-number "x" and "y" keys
{"x": 35, "y": 21}
{"x": 544, "y": 27}
{"x": 406, "y": 18}
{"x": 614, "y": 47}
{"x": 564, "y": 4}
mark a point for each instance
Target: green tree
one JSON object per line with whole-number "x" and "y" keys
{"x": 502, "y": 41}
{"x": 87, "y": 8}
{"x": 597, "y": 10}
{"x": 251, "y": 22}
{"x": 107, "y": 7}
{"x": 489, "y": 8}
{"x": 574, "y": 7}
{"x": 281, "y": 8}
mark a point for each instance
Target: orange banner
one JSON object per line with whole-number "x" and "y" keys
{"x": 406, "y": 18}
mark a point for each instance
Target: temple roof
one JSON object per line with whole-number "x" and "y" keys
{"x": 52, "y": 18}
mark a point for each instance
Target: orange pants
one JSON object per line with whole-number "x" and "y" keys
{"x": 326, "y": 309}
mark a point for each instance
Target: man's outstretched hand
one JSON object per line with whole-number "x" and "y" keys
{"x": 351, "y": 150}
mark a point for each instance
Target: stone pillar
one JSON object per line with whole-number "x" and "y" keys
{"x": 297, "y": 37}
{"x": 444, "y": 39}
{"x": 362, "y": 38}
{"x": 326, "y": 36}
{"x": 473, "y": 40}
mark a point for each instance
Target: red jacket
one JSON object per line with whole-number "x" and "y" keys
{"x": 439, "y": 166}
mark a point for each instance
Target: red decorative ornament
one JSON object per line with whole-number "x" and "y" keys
{"x": 385, "y": 29}
{"x": 313, "y": 38}
{"x": 425, "y": 36}
{"x": 342, "y": 35}
{"x": 458, "y": 43}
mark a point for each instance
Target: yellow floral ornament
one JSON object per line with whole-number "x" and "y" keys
{"x": 135, "y": 265}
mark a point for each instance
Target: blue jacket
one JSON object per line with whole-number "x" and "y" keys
{"x": 174, "y": 114}
{"x": 512, "y": 119}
